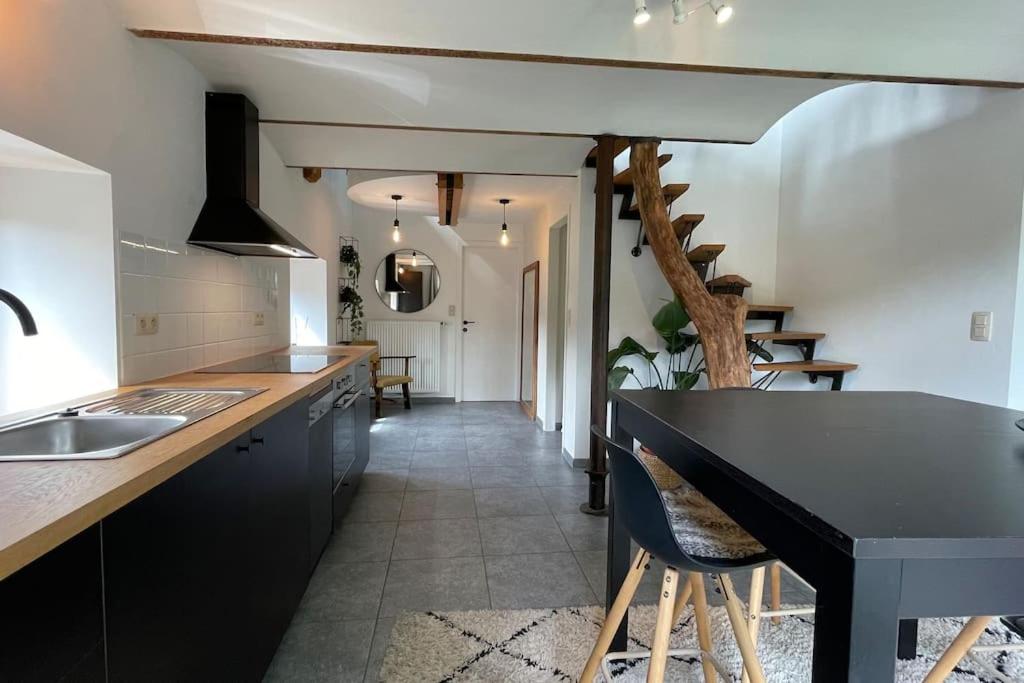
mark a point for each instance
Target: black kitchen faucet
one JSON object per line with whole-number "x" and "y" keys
{"x": 28, "y": 323}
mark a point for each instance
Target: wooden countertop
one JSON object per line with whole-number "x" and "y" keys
{"x": 43, "y": 504}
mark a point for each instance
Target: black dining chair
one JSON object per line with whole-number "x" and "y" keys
{"x": 689, "y": 534}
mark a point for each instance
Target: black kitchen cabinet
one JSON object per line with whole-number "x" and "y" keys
{"x": 51, "y": 615}
{"x": 278, "y": 552}
{"x": 175, "y": 575}
{"x": 204, "y": 572}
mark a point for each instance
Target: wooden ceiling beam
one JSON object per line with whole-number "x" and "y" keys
{"x": 449, "y": 198}
{"x": 311, "y": 174}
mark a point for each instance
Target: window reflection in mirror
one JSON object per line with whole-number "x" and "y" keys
{"x": 407, "y": 281}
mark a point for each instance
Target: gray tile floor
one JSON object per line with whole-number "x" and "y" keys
{"x": 463, "y": 506}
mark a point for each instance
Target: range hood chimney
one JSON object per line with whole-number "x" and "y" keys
{"x": 231, "y": 220}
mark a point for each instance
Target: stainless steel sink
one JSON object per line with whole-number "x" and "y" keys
{"x": 112, "y": 427}
{"x": 97, "y": 436}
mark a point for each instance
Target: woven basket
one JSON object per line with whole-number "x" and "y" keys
{"x": 664, "y": 476}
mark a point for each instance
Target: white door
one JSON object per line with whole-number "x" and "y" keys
{"x": 490, "y": 342}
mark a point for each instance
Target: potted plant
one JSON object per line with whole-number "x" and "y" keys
{"x": 681, "y": 372}
{"x": 351, "y": 302}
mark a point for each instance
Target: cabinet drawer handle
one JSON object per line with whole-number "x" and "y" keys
{"x": 256, "y": 439}
{"x": 242, "y": 449}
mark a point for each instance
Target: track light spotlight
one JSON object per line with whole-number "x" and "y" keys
{"x": 640, "y": 15}
{"x": 723, "y": 12}
{"x": 679, "y": 12}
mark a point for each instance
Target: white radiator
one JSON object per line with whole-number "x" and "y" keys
{"x": 420, "y": 338}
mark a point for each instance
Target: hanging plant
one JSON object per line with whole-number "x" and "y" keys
{"x": 350, "y": 257}
{"x": 352, "y": 304}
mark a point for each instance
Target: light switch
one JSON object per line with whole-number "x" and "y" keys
{"x": 981, "y": 326}
{"x": 451, "y": 311}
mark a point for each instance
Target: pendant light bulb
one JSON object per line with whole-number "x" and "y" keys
{"x": 640, "y": 14}
{"x": 723, "y": 13}
{"x": 396, "y": 234}
{"x": 504, "y": 239}
{"x": 414, "y": 259}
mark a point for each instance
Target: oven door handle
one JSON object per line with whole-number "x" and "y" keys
{"x": 348, "y": 403}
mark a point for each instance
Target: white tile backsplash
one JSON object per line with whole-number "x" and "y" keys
{"x": 206, "y": 302}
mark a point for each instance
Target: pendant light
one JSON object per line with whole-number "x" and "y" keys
{"x": 414, "y": 259}
{"x": 504, "y": 221}
{"x": 396, "y": 235}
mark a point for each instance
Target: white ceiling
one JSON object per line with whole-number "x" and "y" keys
{"x": 324, "y": 85}
{"x": 927, "y": 38}
{"x": 362, "y": 148}
{"x": 480, "y": 195}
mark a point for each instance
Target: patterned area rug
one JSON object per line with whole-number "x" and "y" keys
{"x": 534, "y": 646}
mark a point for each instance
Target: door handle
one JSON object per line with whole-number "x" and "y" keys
{"x": 469, "y": 322}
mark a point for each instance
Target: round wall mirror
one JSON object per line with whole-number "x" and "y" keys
{"x": 407, "y": 281}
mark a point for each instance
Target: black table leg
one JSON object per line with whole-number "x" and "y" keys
{"x": 856, "y": 622}
{"x": 907, "y": 647}
{"x": 618, "y": 544}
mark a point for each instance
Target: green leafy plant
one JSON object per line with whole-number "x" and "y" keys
{"x": 352, "y": 302}
{"x": 683, "y": 369}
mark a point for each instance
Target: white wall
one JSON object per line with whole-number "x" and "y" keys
{"x": 536, "y": 248}
{"x": 76, "y": 82}
{"x": 900, "y": 214}
{"x": 444, "y": 246}
{"x": 56, "y": 256}
{"x": 317, "y": 214}
{"x": 578, "y": 320}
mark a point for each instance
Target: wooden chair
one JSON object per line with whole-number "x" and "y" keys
{"x": 381, "y": 381}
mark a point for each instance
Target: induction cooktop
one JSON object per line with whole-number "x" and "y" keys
{"x": 276, "y": 363}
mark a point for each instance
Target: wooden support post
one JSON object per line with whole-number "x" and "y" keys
{"x": 719, "y": 319}
{"x": 597, "y": 468}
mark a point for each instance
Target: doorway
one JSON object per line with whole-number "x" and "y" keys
{"x": 490, "y": 306}
{"x": 529, "y": 332}
{"x": 557, "y": 250}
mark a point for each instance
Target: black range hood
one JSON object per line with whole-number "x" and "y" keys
{"x": 231, "y": 220}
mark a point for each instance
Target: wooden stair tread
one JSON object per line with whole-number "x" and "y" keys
{"x": 670, "y": 192}
{"x": 806, "y": 366}
{"x": 705, "y": 253}
{"x": 724, "y": 280}
{"x": 683, "y": 225}
{"x": 786, "y": 335}
{"x": 768, "y": 308}
{"x": 625, "y": 178}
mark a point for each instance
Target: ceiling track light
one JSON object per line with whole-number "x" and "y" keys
{"x": 640, "y": 14}
{"x": 723, "y": 11}
{"x": 504, "y": 239}
{"x": 396, "y": 234}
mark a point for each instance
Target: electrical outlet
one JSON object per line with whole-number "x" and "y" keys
{"x": 981, "y": 326}
{"x": 148, "y": 323}
{"x": 258, "y": 320}
{"x": 451, "y": 311}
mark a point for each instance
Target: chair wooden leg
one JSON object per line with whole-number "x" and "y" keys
{"x": 754, "y": 609}
{"x": 614, "y": 616}
{"x": 776, "y": 590}
{"x": 957, "y": 649}
{"x": 700, "y": 610}
{"x": 683, "y": 597}
{"x": 405, "y": 395}
{"x": 739, "y": 629}
{"x": 378, "y": 399}
{"x": 663, "y": 627}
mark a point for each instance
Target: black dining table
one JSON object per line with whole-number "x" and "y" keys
{"x": 894, "y": 506}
